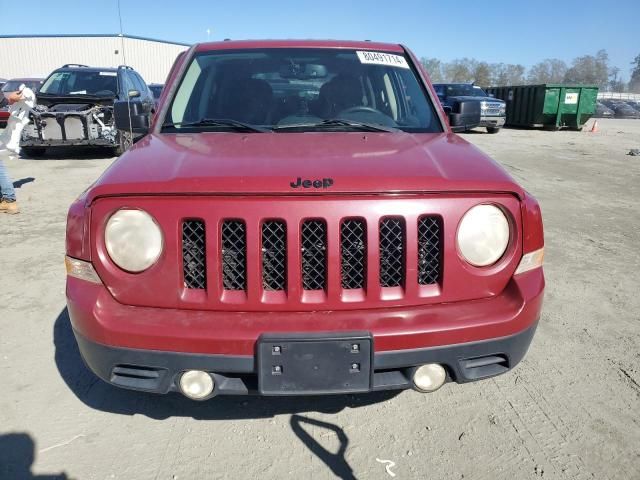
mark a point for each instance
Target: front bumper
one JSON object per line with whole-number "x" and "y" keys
{"x": 159, "y": 372}
{"x": 492, "y": 121}
{"x": 147, "y": 348}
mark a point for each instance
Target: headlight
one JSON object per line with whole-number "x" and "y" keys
{"x": 133, "y": 240}
{"x": 483, "y": 235}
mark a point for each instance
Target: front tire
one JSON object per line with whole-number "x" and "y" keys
{"x": 125, "y": 140}
{"x": 493, "y": 129}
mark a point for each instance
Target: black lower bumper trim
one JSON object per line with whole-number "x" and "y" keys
{"x": 158, "y": 371}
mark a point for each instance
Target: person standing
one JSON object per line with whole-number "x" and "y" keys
{"x": 20, "y": 104}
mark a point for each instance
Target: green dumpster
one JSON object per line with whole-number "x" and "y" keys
{"x": 551, "y": 106}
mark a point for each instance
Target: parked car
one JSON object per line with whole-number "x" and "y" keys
{"x": 75, "y": 107}
{"x": 156, "y": 89}
{"x": 332, "y": 236}
{"x": 12, "y": 85}
{"x": 492, "y": 110}
{"x": 602, "y": 111}
{"x": 633, "y": 104}
{"x": 623, "y": 110}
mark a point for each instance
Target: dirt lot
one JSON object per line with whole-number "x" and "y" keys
{"x": 570, "y": 410}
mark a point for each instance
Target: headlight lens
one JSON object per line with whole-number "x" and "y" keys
{"x": 483, "y": 235}
{"x": 133, "y": 240}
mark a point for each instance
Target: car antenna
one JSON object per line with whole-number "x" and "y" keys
{"x": 124, "y": 59}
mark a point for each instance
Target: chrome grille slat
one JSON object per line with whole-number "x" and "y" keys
{"x": 314, "y": 255}
{"x": 234, "y": 254}
{"x": 194, "y": 266}
{"x": 428, "y": 250}
{"x": 274, "y": 255}
{"x": 391, "y": 252}
{"x": 353, "y": 251}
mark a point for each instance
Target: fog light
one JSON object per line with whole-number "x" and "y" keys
{"x": 196, "y": 385}
{"x": 429, "y": 378}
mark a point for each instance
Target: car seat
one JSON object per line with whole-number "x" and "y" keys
{"x": 247, "y": 100}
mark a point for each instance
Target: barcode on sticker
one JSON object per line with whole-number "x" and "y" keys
{"x": 381, "y": 58}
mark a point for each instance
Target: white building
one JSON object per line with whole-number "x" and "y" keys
{"x": 39, "y": 55}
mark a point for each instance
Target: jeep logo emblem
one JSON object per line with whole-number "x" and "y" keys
{"x": 324, "y": 183}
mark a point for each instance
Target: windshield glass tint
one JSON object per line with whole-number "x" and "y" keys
{"x": 102, "y": 84}
{"x": 283, "y": 87}
{"x": 462, "y": 91}
{"x": 156, "y": 90}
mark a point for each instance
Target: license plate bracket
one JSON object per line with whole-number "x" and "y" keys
{"x": 303, "y": 364}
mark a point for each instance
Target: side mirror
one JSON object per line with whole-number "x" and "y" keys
{"x": 464, "y": 115}
{"x": 130, "y": 115}
{"x": 134, "y": 94}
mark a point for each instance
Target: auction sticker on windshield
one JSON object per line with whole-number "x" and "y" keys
{"x": 381, "y": 58}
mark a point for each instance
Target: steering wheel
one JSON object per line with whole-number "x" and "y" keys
{"x": 361, "y": 109}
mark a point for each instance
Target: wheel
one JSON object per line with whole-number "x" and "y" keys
{"x": 32, "y": 152}
{"x": 124, "y": 143}
{"x": 493, "y": 129}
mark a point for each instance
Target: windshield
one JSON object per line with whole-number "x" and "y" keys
{"x": 13, "y": 85}
{"x": 156, "y": 90}
{"x": 460, "y": 90}
{"x": 76, "y": 82}
{"x": 280, "y": 88}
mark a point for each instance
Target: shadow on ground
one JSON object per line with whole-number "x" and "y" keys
{"x": 22, "y": 181}
{"x": 101, "y": 396}
{"x": 17, "y": 453}
{"x": 335, "y": 461}
{"x": 71, "y": 153}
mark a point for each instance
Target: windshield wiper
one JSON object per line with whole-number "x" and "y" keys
{"x": 219, "y": 122}
{"x": 337, "y": 122}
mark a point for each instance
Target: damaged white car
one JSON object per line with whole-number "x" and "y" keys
{"x": 75, "y": 107}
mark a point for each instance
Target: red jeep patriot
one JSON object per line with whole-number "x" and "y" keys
{"x": 300, "y": 219}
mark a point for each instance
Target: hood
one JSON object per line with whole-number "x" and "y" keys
{"x": 281, "y": 163}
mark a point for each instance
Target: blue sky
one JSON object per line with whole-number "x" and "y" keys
{"x": 494, "y": 31}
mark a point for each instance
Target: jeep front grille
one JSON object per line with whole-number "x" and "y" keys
{"x": 274, "y": 255}
{"x": 234, "y": 252}
{"x": 391, "y": 252}
{"x": 194, "y": 265}
{"x": 428, "y": 250}
{"x": 353, "y": 252}
{"x": 346, "y": 254}
{"x": 314, "y": 255}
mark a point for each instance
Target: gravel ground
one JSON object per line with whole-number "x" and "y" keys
{"x": 569, "y": 410}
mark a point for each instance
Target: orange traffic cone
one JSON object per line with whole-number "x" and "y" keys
{"x": 594, "y": 128}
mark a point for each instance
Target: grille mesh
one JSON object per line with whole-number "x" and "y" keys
{"x": 428, "y": 250}
{"x": 353, "y": 252}
{"x": 274, "y": 255}
{"x": 391, "y": 252}
{"x": 314, "y": 255}
{"x": 234, "y": 251}
{"x": 194, "y": 257}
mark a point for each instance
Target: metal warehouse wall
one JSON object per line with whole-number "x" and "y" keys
{"x": 38, "y": 56}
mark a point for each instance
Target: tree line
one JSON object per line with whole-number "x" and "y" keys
{"x": 587, "y": 69}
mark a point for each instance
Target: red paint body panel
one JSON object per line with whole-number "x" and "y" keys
{"x": 248, "y": 44}
{"x": 265, "y": 163}
{"x": 96, "y": 315}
